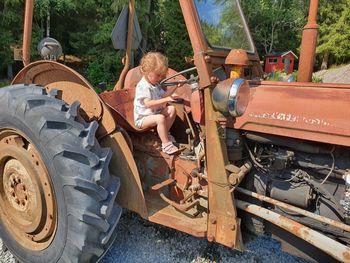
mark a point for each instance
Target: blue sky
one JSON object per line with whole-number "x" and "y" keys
{"x": 208, "y": 10}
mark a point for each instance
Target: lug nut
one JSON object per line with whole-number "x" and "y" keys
{"x": 212, "y": 219}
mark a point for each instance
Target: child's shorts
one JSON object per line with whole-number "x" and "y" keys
{"x": 138, "y": 123}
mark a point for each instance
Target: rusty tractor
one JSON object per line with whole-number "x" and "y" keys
{"x": 272, "y": 156}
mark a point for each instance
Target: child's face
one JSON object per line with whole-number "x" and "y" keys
{"x": 155, "y": 77}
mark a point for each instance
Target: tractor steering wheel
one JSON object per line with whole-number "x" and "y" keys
{"x": 165, "y": 82}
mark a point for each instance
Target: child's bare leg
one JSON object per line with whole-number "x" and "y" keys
{"x": 170, "y": 113}
{"x": 158, "y": 120}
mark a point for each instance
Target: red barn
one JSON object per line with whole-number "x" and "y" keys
{"x": 280, "y": 61}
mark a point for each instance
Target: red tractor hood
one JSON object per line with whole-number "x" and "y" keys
{"x": 315, "y": 112}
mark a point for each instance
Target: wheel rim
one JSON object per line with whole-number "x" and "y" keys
{"x": 27, "y": 201}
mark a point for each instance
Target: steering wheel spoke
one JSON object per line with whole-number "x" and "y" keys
{"x": 171, "y": 81}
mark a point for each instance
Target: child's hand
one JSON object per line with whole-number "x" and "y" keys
{"x": 173, "y": 97}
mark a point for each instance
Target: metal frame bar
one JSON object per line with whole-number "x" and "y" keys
{"x": 322, "y": 242}
{"x": 27, "y": 32}
{"x": 295, "y": 209}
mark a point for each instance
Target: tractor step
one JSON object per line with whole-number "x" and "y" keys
{"x": 163, "y": 184}
{"x": 162, "y": 213}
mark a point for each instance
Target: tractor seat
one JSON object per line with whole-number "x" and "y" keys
{"x": 121, "y": 102}
{"x": 121, "y": 105}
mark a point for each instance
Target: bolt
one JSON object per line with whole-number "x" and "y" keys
{"x": 17, "y": 201}
{"x": 237, "y": 142}
{"x": 212, "y": 219}
{"x": 26, "y": 197}
{"x": 207, "y": 59}
{"x": 23, "y": 203}
{"x": 13, "y": 194}
{"x": 23, "y": 187}
{"x": 12, "y": 185}
{"x": 232, "y": 227}
{"x": 213, "y": 79}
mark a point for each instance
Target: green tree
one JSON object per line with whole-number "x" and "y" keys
{"x": 334, "y": 35}
{"x": 174, "y": 37}
{"x": 10, "y": 32}
{"x": 275, "y": 24}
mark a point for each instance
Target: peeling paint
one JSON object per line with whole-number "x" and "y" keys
{"x": 288, "y": 117}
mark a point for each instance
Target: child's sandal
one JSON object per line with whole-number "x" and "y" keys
{"x": 169, "y": 148}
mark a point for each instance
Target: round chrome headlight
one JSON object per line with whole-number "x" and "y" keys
{"x": 231, "y": 96}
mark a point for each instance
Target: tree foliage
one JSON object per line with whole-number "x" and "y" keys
{"x": 83, "y": 27}
{"x": 174, "y": 37}
{"x": 10, "y": 30}
{"x": 333, "y": 42}
{"x": 275, "y": 24}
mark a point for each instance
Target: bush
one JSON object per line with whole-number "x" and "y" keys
{"x": 316, "y": 79}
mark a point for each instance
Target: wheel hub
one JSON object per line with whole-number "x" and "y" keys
{"x": 27, "y": 203}
{"x": 18, "y": 186}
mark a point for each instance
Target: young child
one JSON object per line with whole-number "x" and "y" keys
{"x": 151, "y": 101}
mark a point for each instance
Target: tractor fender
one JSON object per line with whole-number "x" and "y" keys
{"x": 123, "y": 164}
{"x": 73, "y": 87}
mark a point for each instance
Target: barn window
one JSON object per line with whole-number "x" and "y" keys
{"x": 272, "y": 60}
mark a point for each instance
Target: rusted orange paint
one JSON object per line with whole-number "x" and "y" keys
{"x": 74, "y": 87}
{"x": 299, "y": 110}
{"x": 27, "y": 32}
{"x": 308, "y": 45}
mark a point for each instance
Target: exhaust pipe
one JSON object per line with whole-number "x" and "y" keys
{"x": 308, "y": 45}
{"x": 27, "y": 34}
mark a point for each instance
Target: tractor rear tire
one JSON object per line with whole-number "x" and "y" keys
{"x": 57, "y": 198}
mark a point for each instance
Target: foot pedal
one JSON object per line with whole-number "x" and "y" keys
{"x": 161, "y": 185}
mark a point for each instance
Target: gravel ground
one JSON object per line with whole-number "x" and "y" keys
{"x": 139, "y": 241}
{"x": 335, "y": 75}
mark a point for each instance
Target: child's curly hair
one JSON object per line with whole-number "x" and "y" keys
{"x": 154, "y": 62}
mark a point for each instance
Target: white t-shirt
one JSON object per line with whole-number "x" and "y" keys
{"x": 144, "y": 90}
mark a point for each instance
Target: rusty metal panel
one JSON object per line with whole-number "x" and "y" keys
{"x": 316, "y": 112}
{"x": 74, "y": 87}
{"x": 223, "y": 224}
{"x": 123, "y": 165}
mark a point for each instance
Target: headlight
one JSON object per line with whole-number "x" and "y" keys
{"x": 231, "y": 96}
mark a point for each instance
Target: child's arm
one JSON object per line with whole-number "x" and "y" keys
{"x": 157, "y": 103}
